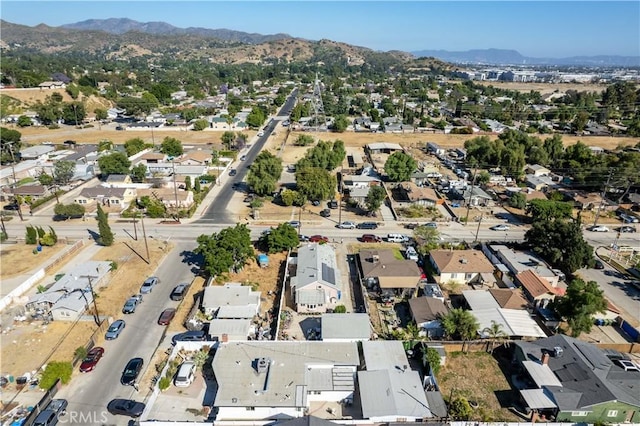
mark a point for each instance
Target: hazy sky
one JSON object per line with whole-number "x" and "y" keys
{"x": 538, "y": 29}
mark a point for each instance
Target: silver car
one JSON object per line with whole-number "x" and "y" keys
{"x": 148, "y": 284}
{"x": 114, "y": 330}
{"x": 347, "y": 225}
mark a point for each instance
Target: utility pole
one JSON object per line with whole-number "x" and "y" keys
{"x": 15, "y": 181}
{"x": 96, "y": 316}
{"x": 135, "y": 228}
{"x": 604, "y": 193}
{"x": 144, "y": 235}
{"x": 473, "y": 181}
{"x": 175, "y": 191}
{"x": 478, "y": 229}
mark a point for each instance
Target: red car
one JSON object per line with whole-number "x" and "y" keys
{"x": 370, "y": 238}
{"x": 318, "y": 239}
{"x": 166, "y": 316}
{"x": 92, "y": 358}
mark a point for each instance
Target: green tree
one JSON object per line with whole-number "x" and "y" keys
{"x": 256, "y": 117}
{"x": 282, "y": 238}
{"x": 114, "y": 164}
{"x": 225, "y": 251}
{"x": 101, "y": 113}
{"x": 187, "y": 183}
{"x": 561, "y": 243}
{"x": 326, "y": 155}
{"x": 483, "y": 178}
{"x": 547, "y": 210}
{"x": 580, "y": 302}
{"x": 427, "y": 238}
{"x": 105, "y": 145}
{"x": 10, "y": 144}
{"x": 106, "y": 236}
{"x": 432, "y": 358}
{"x": 459, "y": 408}
{"x": 399, "y": 166}
{"x": 55, "y": 370}
{"x": 63, "y": 171}
{"x": 24, "y": 121}
{"x": 162, "y": 93}
{"x": 139, "y": 172}
{"x": 45, "y": 179}
{"x": 460, "y": 324}
{"x": 171, "y": 146}
{"x": 315, "y": 183}
{"x": 340, "y": 124}
{"x": 340, "y": 309}
{"x": 73, "y": 91}
{"x": 264, "y": 173}
{"x": 518, "y": 200}
{"x": 69, "y": 210}
{"x": 495, "y": 334}
{"x": 196, "y": 186}
{"x": 200, "y": 125}
{"x": 304, "y": 140}
{"x": 74, "y": 112}
{"x": 134, "y": 146}
{"x": 375, "y": 197}
{"x": 228, "y": 139}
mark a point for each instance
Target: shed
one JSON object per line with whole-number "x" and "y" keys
{"x": 263, "y": 260}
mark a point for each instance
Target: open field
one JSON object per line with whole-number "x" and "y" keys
{"x": 35, "y": 135}
{"x": 478, "y": 377}
{"x": 16, "y": 259}
{"x": 544, "y": 88}
{"x": 29, "y": 97}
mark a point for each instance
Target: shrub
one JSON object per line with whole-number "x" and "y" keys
{"x": 164, "y": 383}
{"x": 56, "y": 370}
{"x": 340, "y": 309}
{"x": 3, "y": 236}
{"x": 113, "y": 265}
{"x": 31, "y": 236}
{"x": 460, "y": 409}
{"x": 80, "y": 352}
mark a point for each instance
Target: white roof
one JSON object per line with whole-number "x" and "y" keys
{"x": 384, "y": 145}
{"x": 316, "y": 265}
{"x": 480, "y": 299}
{"x": 229, "y": 294}
{"x": 235, "y": 329}
{"x": 541, "y": 374}
{"x": 290, "y": 372}
{"x": 245, "y": 311}
{"x": 537, "y": 398}
{"x": 515, "y": 322}
{"x": 353, "y": 326}
{"x": 383, "y": 354}
{"x": 36, "y": 151}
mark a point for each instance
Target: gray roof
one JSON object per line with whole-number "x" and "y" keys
{"x": 36, "y": 151}
{"x": 103, "y": 192}
{"x": 316, "y": 265}
{"x": 480, "y": 299}
{"x": 353, "y": 326}
{"x": 307, "y": 421}
{"x": 116, "y": 178}
{"x": 235, "y": 329}
{"x": 294, "y": 369}
{"x": 81, "y": 151}
{"x": 588, "y": 377}
{"x": 426, "y": 309}
{"x": 229, "y": 294}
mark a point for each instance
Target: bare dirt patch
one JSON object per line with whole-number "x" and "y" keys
{"x": 478, "y": 377}
{"x": 18, "y": 258}
{"x": 545, "y": 88}
{"x": 177, "y": 324}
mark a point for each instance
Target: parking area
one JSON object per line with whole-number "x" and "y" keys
{"x": 185, "y": 404}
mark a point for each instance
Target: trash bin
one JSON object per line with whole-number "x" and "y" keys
{"x": 39, "y": 247}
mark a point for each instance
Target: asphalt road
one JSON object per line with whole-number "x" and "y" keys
{"x": 88, "y": 394}
{"x": 217, "y": 212}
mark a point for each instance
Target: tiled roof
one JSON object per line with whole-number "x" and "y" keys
{"x": 508, "y": 299}
{"x": 461, "y": 261}
{"x": 535, "y": 285}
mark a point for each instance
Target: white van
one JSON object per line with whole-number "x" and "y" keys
{"x": 185, "y": 375}
{"x": 397, "y": 238}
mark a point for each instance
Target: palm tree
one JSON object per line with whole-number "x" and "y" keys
{"x": 461, "y": 324}
{"x": 495, "y": 334}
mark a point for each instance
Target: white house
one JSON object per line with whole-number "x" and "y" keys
{"x": 316, "y": 284}
{"x": 231, "y": 301}
{"x": 461, "y": 266}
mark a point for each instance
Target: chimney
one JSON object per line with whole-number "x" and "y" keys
{"x": 545, "y": 358}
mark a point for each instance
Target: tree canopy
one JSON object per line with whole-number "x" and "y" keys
{"x": 375, "y": 197}
{"x": 225, "y": 251}
{"x": 326, "y": 155}
{"x": 114, "y": 164}
{"x": 282, "y": 238}
{"x": 547, "y": 210}
{"x": 460, "y": 324}
{"x": 63, "y": 171}
{"x": 171, "y": 146}
{"x": 315, "y": 183}
{"x": 69, "y": 210}
{"x": 134, "y": 146}
{"x": 400, "y": 166}
{"x": 264, "y": 173}
{"x": 9, "y": 144}
{"x": 581, "y": 301}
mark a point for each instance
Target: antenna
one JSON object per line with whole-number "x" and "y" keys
{"x": 317, "y": 105}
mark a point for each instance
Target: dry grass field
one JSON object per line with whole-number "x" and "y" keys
{"x": 544, "y": 88}
{"x": 16, "y": 259}
{"x": 28, "y": 97}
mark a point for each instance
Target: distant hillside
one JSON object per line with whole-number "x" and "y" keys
{"x": 124, "y": 25}
{"x": 513, "y": 57}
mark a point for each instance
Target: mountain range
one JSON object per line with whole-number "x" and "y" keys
{"x": 513, "y": 57}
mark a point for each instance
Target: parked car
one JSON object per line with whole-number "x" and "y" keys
{"x": 166, "y": 316}
{"x": 431, "y": 225}
{"x": 500, "y": 228}
{"x": 333, "y": 204}
{"x": 91, "y": 360}
{"x": 190, "y": 336}
{"x": 318, "y": 239}
{"x": 179, "y": 291}
{"x": 130, "y": 305}
{"x": 294, "y": 223}
{"x": 411, "y": 225}
{"x": 325, "y": 213}
{"x": 242, "y": 158}
{"x": 125, "y": 407}
{"x": 51, "y": 414}
{"x": 303, "y": 238}
{"x": 626, "y": 218}
{"x": 599, "y": 264}
{"x": 148, "y": 284}
{"x": 397, "y": 238}
{"x": 131, "y": 371}
{"x": 411, "y": 254}
{"x": 626, "y": 229}
{"x": 346, "y": 225}
{"x": 367, "y": 225}
{"x": 233, "y": 172}
{"x": 315, "y": 203}
{"x": 261, "y": 133}
{"x": 114, "y": 330}
{"x": 599, "y": 228}
{"x": 370, "y": 238}
{"x": 185, "y": 375}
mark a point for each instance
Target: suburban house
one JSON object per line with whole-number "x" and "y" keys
{"x": 265, "y": 380}
{"x": 577, "y": 382}
{"x": 519, "y": 261}
{"x": 426, "y": 312}
{"x": 107, "y": 196}
{"x": 540, "y": 183}
{"x": 536, "y": 289}
{"x": 153, "y": 158}
{"x": 381, "y": 270}
{"x": 352, "y": 182}
{"x": 195, "y": 158}
{"x": 316, "y": 284}
{"x": 37, "y": 152}
{"x": 347, "y": 327}
{"x": 508, "y": 299}
{"x": 473, "y": 195}
{"x": 412, "y": 193}
{"x": 36, "y": 191}
{"x": 383, "y": 148}
{"x": 462, "y": 266}
{"x": 537, "y": 170}
{"x": 168, "y": 169}
{"x": 592, "y": 201}
{"x": 229, "y": 330}
{"x": 230, "y": 301}
{"x": 168, "y": 196}
{"x": 390, "y": 391}
{"x": 117, "y": 180}
{"x": 52, "y": 85}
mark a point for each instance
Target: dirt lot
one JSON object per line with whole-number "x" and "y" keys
{"x": 18, "y": 258}
{"x": 544, "y": 88}
{"x": 39, "y": 340}
{"x": 478, "y": 377}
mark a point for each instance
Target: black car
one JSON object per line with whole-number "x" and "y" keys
{"x": 51, "y": 414}
{"x": 190, "y": 336}
{"x": 125, "y": 407}
{"x": 233, "y": 172}
{"x": 333, "y": 204}
{"x": 131, "y": 371}
{"x": 325, "y": 213}
{"x": 179, "y": 291}
{"x": 367, "y": 225}
{"x": 599, "y": 264}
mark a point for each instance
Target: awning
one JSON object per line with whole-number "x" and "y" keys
{"x": 537, "y": 399}
{"x": 541, "y": 374}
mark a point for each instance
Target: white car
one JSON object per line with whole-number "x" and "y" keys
{"x": 347, "y": 225}
{"x": 260, "y": 133}
{"x": 599, "y": 229}
{"x": 500, "y": 228}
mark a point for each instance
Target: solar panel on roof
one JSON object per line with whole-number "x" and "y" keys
{"x": 328, "y": 274}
